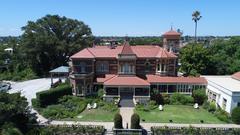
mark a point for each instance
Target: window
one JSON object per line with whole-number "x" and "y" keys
{"x": 147, "y": 66}
{"x": 224, "y": 103}
{"x": 82, "y": 67}
{"x": 102, "y": 66}
{"x": 161, "y": 67}
{"x": 127, "y": 68}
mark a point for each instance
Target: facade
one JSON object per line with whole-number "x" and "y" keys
{"x": 128, "y": 71}
{"x": 224, "y": 91}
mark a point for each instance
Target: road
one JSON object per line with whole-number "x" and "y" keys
{"x": 31, "y": 87}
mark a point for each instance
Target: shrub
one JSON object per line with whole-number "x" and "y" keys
{"x": 206, "y": 105}
{"x": 35, "y": 103}
{"x": 222, "y": 115}
{"x": 118, "y": 121}
{"x": 9, "y": 129}
{"x": 69, "y": 106}
{"x": 166, "y": 99}
{"x": 100, "y": 93}
{"x": 212, "y": 107}
{"x": 51, "y": 96}
{"x": 135, "y": 121}
{"x": 157, "y": 97}
{"x": 178, "y": 99}
{"x": 199, "y": 96}
{"x": 236, "y": 115}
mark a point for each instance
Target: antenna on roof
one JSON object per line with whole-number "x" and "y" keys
{"x": 171, "y": 26}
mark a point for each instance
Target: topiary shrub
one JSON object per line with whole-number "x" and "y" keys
{"x": 51, "y": 96}
{"x": 199, "y": 96}
{"x": 118, "y": 121}
{"x": 236, "y": 115}
{"x": 100, "y": 93}
{"x": 135, "y": 121}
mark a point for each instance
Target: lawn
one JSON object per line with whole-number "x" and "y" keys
{"x": 99, "y": 115}
{"x": 178, "y": 114}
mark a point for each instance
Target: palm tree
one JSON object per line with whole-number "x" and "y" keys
{"x": 196, "y": 17}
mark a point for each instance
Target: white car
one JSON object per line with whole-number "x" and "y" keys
{"x": 4, "y": 87}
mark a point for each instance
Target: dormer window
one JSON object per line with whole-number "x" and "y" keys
{"x": 161, "y": 67}
{"x": 127, "y": 68}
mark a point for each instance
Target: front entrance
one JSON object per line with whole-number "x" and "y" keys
{"x": 126, "y": 97}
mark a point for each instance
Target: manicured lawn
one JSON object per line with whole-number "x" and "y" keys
{"x": 96, "y": 115}
{"x": 99, "y": 115}
{"x": 178, "y": 114}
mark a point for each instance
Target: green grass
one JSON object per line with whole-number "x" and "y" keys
{"x": 96, "y": 115}
{"x": 179, "y": 114}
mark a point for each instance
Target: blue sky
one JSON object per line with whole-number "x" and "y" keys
{"x": 127, "y": 17}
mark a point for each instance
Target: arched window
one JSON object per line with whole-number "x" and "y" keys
{"x": 147, "y": 66}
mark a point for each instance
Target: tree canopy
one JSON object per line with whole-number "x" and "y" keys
{"x": 221, "y": 57}
{"x": 51, "y": 40}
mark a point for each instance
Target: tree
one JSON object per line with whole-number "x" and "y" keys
{"x": 236, "y": 115}
{"x": 14, "y": 109}
{"x": 118, "y": 121}
{"x": 196, "y": 17}
{"x": 135, "y": 121}
{"x": 195, "y": 59}
{"x": 199, "y": 96}
{"x": 51, "y": 40}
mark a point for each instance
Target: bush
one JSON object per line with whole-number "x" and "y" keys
{"x": 222, "y": 115}
{"x": 68, "y": 107}
{"x": 100, "y": 93}
{"x": 212, "y": 107}
{"x": 36, "y": 103}
{"x": 9, "y": 129}
{"x": 199, "y": 96}
{"x": 51, "y": 96}
{"x": 157, "y": 97}
{"x": 166, "y": 99}
{"x": 180, "y": 99}
{"x": 135, "y": 121}
{"x": 236, "y": 115}
{"x": 206, "y": 105}
{"x": 118, "y": 121}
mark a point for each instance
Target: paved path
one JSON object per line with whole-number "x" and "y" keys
{"x": 126, "y": 113}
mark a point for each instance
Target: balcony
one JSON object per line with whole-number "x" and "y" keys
{"x": 80, "y": 75}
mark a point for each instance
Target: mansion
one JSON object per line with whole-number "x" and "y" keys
{"x": 131, "y": 71}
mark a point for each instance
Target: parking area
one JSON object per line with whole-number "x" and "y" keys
{"x": 31, "y": 87}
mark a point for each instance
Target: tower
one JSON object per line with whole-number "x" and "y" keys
{"x": 171, "y": 41}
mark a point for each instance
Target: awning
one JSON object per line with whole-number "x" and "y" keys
{"x": 61, "y": 69}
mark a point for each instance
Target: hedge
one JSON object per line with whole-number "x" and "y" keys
{"x": 135, "y": 121}
{"x": 193, "y": 131}
{"x": 118, "y": 121}
{"x": 52, "y": 95}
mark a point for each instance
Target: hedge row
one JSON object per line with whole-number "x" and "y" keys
{"x": 52, "y": 95}
{"x": 193, "y": 131}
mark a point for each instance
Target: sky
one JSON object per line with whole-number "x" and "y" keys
{"x": 127, "y": 17}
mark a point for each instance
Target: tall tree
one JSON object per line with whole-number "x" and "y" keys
{"x": 51, "y": 40}
{"x": 196, "y": 17}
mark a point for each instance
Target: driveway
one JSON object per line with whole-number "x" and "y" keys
{"x": 31, "y": 87}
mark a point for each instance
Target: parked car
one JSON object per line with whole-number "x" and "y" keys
{"x": 4, "y": 87}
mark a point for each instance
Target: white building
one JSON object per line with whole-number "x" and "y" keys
{"x": 224, "y": 90}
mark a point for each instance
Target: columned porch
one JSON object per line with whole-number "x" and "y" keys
{"x": 137, "y": 94}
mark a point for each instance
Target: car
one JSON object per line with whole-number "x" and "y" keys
{"x": 4, "y": 87}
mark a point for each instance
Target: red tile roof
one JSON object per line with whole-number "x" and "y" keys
{"x": 188, "y": 80}
{"x": 127, "y": 49}
{"x": 126, "y": 81}
{"x": 172, "y": 33}
{"x": 141, "y": 51}
{"x": 236, "y": 76}
{"x": 104, "y": 78}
